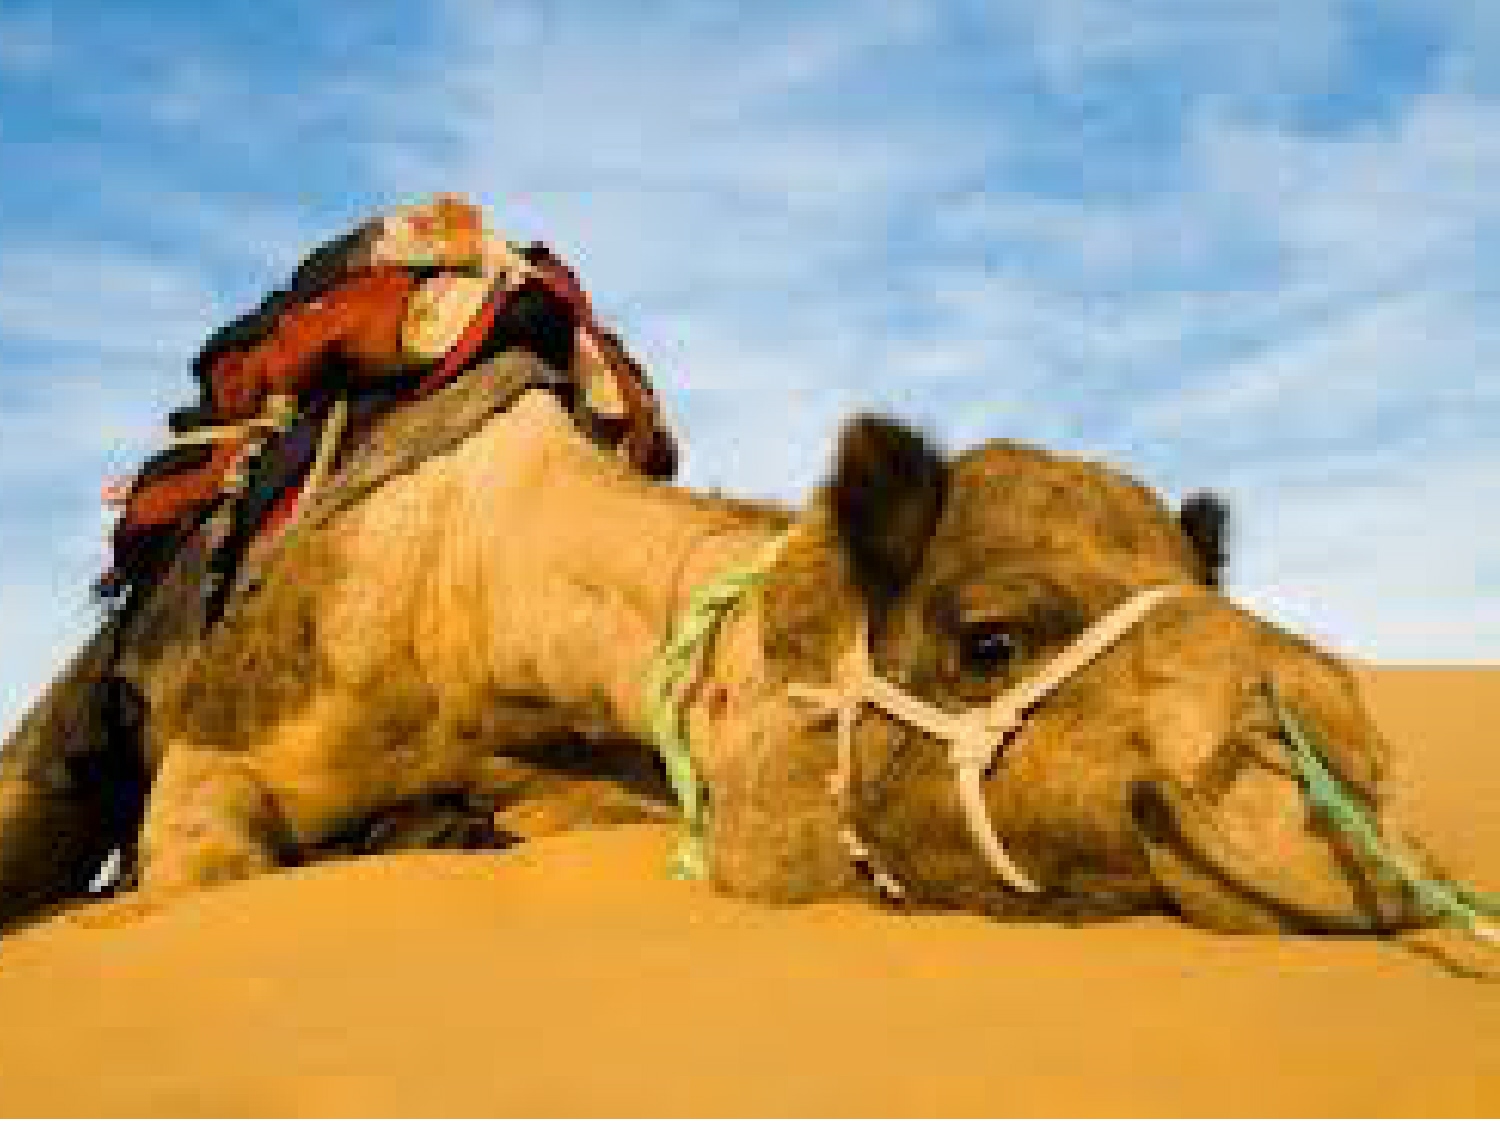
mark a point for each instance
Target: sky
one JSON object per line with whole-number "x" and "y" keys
{"x": 1240, "y": 245}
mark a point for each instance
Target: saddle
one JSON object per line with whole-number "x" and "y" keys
{"x": 371, "y": 322}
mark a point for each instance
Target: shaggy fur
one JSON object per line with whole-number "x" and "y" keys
{"x": 441, "y": 636}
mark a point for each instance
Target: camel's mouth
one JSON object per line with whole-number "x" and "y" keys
{"x": 1334, "y": 874}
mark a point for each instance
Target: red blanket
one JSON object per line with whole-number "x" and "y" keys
{"x": 358, "y": 321}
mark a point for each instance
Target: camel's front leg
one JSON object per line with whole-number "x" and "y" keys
{"x": 209, "y": 820}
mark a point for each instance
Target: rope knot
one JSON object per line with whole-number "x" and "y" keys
{"x": 976, "y": 747}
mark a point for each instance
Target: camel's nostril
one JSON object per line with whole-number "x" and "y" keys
{"x": 1150, "y": 812}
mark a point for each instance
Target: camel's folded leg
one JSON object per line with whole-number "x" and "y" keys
{"x": 72, "y": 781}
{"x": 210, "y": 819}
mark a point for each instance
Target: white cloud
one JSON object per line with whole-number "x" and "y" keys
{"x": 109, "y": 298}
{"x": 1418, "y": 352}
{"x": 1384, "y": 557}
{"x": 1236, "y": 48}
{"x": 1371, "y": 209}
{"x": 680, "y": 163}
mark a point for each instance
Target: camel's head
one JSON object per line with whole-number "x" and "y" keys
{"x": 1155, "y": 776}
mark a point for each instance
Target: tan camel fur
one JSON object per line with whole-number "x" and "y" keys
{"x": 514, "y": 591}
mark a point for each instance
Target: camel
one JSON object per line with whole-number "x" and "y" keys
{"x": 515, "y": 591}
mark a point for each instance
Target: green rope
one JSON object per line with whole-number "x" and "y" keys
{"x": 1344, "y": 811}
{"x": 666, "y": 683}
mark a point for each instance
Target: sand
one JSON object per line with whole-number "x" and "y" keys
{"x": 571, "y": 978}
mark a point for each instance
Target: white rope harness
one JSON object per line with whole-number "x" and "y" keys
{"x": 974, "y": 736}
{"x": 277, "y": 413}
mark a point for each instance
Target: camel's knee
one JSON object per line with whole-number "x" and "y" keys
{"x": 210, "y": 820}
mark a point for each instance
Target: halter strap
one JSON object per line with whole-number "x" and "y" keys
{"x": 671, "y": 676}
{"x": 974, "y": 736}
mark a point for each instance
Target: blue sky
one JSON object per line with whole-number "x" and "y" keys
{"x": 1241, "y": 244}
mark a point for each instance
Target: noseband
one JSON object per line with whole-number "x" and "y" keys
{"x": 975, "y": 736}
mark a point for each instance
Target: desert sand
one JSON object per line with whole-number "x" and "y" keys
{"x": 570, "y": 977}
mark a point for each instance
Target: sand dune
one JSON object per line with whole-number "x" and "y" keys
{"x": 571, "y": 978}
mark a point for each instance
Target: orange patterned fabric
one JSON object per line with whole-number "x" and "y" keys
{"x": 166, "y": 499}
{"x": 446, "y": 231}
{"x": 358, "y": 320}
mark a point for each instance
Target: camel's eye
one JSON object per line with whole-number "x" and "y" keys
{"x": 986, "y": 648}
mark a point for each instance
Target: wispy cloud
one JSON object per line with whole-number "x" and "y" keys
{"x": 1389, "y": 538}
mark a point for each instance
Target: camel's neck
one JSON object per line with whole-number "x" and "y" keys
{"x": 585, "y": 569}
{"x": 637, "y": 589}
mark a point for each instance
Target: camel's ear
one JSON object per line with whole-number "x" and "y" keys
{"x": 1205, "y": 521}
{"x": 887, "y": 492}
